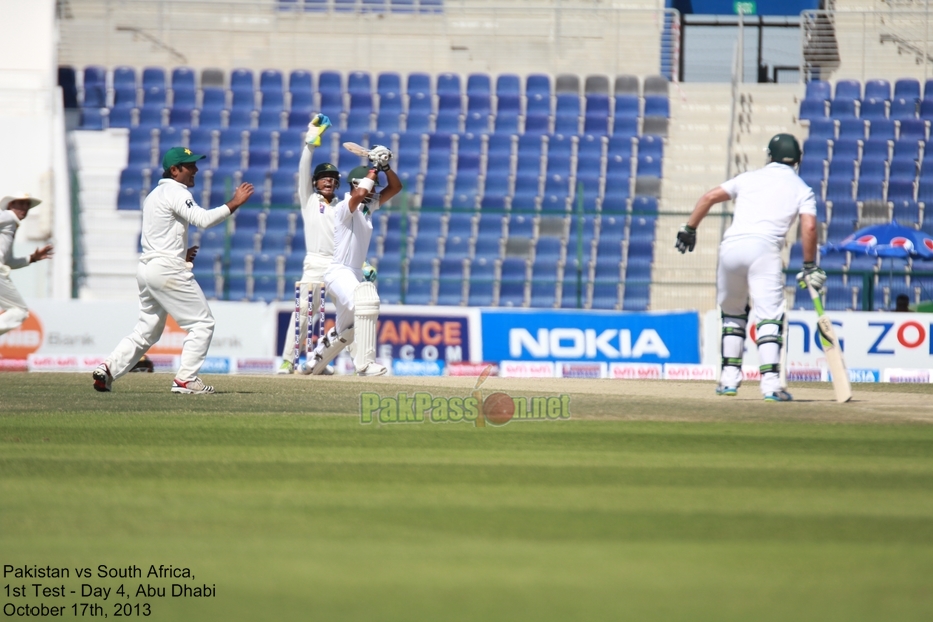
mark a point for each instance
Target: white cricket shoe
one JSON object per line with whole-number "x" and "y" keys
{"x": 193, "y": 387}
{"x": 372, "y": 369}
{"x": 103, "y": 381}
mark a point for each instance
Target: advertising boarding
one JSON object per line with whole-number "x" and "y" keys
{"x": 568, "y": 336}
{"x": 869, "y": 341}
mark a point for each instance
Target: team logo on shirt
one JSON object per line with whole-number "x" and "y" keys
{"x": 189, "y": 202}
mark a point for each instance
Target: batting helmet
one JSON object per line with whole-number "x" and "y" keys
{"x": 325, "y": 170}
{"x": 785, "y": 149}
{"x": 357, "y": 174}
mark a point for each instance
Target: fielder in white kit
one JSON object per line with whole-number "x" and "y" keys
{"x": 166, "y": 283}
{"x": 13, "y": 210}
{"x": 767, "y": 203}
{"x": 355, "y": 298}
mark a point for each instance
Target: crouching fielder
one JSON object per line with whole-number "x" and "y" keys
{"x": 355, "y": 298}
{"x": 767, "y": 203}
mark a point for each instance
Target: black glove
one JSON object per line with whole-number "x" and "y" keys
{"x": 686, "y": 239}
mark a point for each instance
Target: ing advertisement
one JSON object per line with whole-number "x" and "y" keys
{"x": 594, "y": 336}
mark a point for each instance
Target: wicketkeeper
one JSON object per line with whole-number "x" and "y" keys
{"x": 355, "y": 298}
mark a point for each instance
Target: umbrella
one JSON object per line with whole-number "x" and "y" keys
{"x": 887, "y": 240}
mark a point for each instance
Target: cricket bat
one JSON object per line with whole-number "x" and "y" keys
{"x": 837, "y": 365}
{"x": 356, "y": 149}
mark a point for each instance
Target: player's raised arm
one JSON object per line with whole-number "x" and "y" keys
{"x": 319, "y": 124}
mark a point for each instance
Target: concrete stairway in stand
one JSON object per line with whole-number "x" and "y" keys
{"x": 110, "y": 237}
{"x": 695, "y": 162}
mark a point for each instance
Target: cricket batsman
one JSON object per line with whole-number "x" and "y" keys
{"x": 767, "y": 203}
{"x": 355, "y": 297}
{"x": 166, "y": 283}
{"x": 13, "y": 209}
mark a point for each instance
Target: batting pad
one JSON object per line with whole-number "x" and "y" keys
{"x": 366, "y": 302}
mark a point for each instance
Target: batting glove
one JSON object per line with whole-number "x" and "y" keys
{"x": 812, "y": 273}
{"x": 369, "y": 273}
{"x": 380, "y": 157}
{"x": 316, "y": 129}
{"x": 686, "y": 239}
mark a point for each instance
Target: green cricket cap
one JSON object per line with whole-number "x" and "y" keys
{"x": 179, "y": 155}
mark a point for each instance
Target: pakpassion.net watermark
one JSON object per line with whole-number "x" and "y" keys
{"x": 497, "y": 408}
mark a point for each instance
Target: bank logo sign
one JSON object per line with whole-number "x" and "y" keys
{"x": 614, "y": 337}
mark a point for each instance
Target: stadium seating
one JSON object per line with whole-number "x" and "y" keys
{"x": 521, "y": 149}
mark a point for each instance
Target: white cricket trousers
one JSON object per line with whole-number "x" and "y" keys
{"x": 752, "y": 267}
{"x": 12, "y": 304}
{"x": 313, "y": 272}
{"x": 341, "y": 283}
{"x": 166, "y": 287}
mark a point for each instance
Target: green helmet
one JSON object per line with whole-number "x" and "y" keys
{"x": 325, "y": 170}
{"x": 357, "y": 174}
{"x": 785, "y": 149}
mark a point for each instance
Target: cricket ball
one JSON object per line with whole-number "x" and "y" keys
{"x": 498, "y": 408}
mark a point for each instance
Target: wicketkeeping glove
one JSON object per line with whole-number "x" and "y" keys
{"x": 686, "y": 239}
{"x": 380, "y": 157}
{"x": 316, "y": 129}
{"x": 813, "y": 273}
{"x": 369, "y": 273}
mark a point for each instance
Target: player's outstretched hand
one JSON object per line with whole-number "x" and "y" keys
{"x": 686, "y": 239}
{"x": 316, "y": 129}
{"x": 812, "y": 273}
{"x": 240, "y": 196}
{"x": 191, "y": 253}
{"x": 380, "y": 156}
{"x": 41, "y": 253}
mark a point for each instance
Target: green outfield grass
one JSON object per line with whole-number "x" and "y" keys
{"x": 275, "y": 493}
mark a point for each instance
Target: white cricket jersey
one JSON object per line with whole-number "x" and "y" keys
{"x": 318, "y": 216}
{"x": 352, "y": 234}
{"x": 9, "y": 223}
{"x": 167, "y": 211}
{"x": 767, "y": 202}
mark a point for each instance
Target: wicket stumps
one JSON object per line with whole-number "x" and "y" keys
{"x": 313, "y": 287}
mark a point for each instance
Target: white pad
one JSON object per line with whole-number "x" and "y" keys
{"x": 328, "y": 348}
{"x": 366, "y": 303}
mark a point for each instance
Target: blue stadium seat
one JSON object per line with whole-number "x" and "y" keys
{"x": 538, "y": 84}
{"x": 508, "y": 84}
{"x": 848, "y": 89}
{"x": 478, "y": 84}
{"x": 153, "y": 77}
{"x": 912, "y": 129}
{"x": 876, "y": 149}
{"x": 418, "y": 83}
{"x": 567, "y": 114}
{"x": 812, "y": 109}
{"x": 482, "y": 276}
{"x": 908, "y": 88}
{"x": 388, "y": 82}
{"x": 842, "y": 108}
{"x": 359, "y": 83}
{"x": 874, "y": 109}
{"x": 818, "y": 89}
{"x": 878, "y": 89}
{"x": 448, "y": 84}
{"x": 903, "y": 108}
{"x": 823, "y": 128}
{"x": 851, "y": 129}
{"x": 846, "y": 149}
{"x": 300, "y": 81}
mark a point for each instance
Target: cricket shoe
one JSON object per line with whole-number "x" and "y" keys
{"x": 192, "y": 387}
{"x": 285, "y": 368}
{"x": 102, "y": 378}
{"x": 727, "y": 391}
{"x": 779, "y": 396}
{"x": 372, "y": 369}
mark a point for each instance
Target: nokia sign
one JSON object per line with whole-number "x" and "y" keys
{"x": 594, "y": 336}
